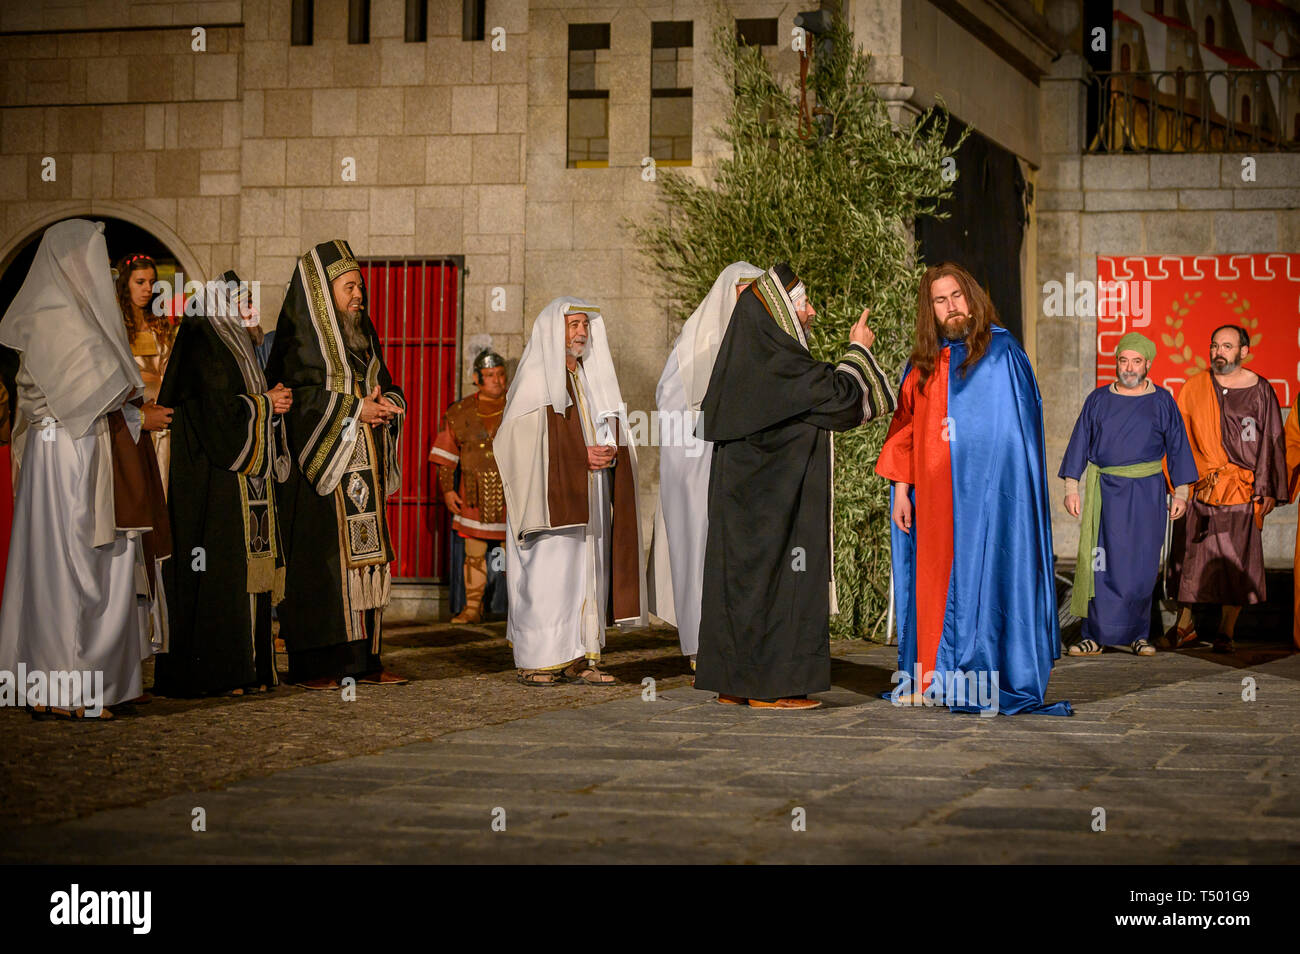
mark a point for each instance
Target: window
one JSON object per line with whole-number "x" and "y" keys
{"x": 1125, "y": 59}
{"x": 301, "y": 28}
{"x": 472, "y": 15}
{"x": 358, "y": 21}
{"x": 1209, "y": 31}
{"x": 756, "y": 32}
{"x": 417, "y": 21}
{"x": 1245, "y": 109}
{"x": 671, "y": 49}
{"x": 588, "y": 95}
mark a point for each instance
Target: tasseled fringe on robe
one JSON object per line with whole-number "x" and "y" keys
{"x": 369, "y": 587}
{"x": 264, "y": 576}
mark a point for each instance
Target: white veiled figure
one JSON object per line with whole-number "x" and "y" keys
{"x": 70, "y": 590}
{"x": 681, "y": 526}
{"x": 558, "y": 576}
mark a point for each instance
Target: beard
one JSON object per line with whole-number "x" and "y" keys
{"x": 578, "y": 351}
{"x": 1131, "y": 380}
{"x": 354, "y": 336}
{"x": 955, "y": 330}
{"x": 1224, "y": 366}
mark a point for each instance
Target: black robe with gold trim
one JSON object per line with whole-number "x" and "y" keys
{"x": 332, "y": 510}
{"x": 227, "y": 565}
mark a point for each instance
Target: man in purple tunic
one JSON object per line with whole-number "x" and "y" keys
{"x": 1126, "y": 436}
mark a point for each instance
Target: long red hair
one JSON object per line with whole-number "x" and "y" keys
{"x": 983, "y": 316}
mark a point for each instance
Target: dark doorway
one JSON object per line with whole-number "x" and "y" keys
{"x": 986, "y": 222}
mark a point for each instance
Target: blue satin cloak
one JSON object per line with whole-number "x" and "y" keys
{"x": 1001, "y": 608}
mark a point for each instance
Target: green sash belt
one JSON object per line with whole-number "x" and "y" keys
{"x": 1091, "y": 526}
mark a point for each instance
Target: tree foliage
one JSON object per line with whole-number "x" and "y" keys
{"x": 838, "y": 204}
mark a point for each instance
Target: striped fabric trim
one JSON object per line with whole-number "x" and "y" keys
{"x": 477, "y": 525}
{"x": 773, "y": 298}
{"x": 342, "y": 407}
{"x": 250, "y": 439}
{"x": 878, "y": 397}
{"x": 449, "y": 458}
{"x": 325, "y": 324}
{"x": 345, "y": 263}
{"x": 259, "y": 425}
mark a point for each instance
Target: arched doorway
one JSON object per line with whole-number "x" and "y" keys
{"x": 123, "y": 238}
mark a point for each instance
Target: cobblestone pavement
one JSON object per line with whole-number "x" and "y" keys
{"x": 1184, "y": 769}
{"x": 462, "y": 677}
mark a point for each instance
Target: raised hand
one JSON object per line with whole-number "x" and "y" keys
{"x": 860, "y": 333}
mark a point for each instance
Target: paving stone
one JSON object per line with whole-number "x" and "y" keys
{"x": 1186, "y": 771}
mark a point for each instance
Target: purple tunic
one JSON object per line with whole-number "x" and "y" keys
{"x": 1114, "y": 430}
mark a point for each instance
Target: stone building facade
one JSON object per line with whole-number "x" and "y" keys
{"x": 235, "y": 155}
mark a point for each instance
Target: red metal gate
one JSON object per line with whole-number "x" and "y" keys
{"x": 415, "y": 306}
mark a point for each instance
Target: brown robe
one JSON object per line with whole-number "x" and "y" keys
{"x": 1218, "y": 553}
{"x": 567, "y": 499}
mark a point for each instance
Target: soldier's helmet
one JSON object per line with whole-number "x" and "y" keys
{"x": 487, "y": 358}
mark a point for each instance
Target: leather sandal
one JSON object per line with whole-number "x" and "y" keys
{"x": 323, "y": 684}
{"x": 538, "y": 678}
{"x": 382, "y": 678}
{"x": 1176, "y": 637}
{"x": 588, "y": 675}
{"x": 790, "y": 703}
{"x": 726, "y": 700}
{"x": 1084, "y": 647}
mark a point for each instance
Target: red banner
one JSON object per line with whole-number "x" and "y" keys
{"x": 1178, "y": 300}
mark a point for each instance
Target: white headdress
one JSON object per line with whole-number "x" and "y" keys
{"x": 701, "y": 337}
{"x": 541, "y": 376}
{"x": 68, "y": 325}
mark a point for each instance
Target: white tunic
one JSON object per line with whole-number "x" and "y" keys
{"x": 558, "y": 580}
{"x": 69, "y": 605}
{"x": 682, "y": 521}
{"x": 681, "y": 526}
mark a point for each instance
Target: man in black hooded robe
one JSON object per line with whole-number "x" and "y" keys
{"x": 769, "y": 411}
{"x": 228, "y": 451}
{"x": 344, "y": 429}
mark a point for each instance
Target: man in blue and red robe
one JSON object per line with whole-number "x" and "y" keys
{"x": 973, "y": 588}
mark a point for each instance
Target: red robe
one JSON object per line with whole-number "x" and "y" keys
{"x": 926, "y": 464}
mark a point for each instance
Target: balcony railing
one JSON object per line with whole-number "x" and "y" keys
{"x": 1194, "y": 111}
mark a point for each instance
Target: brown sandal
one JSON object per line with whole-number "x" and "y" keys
{"x": 588, "y": 674}
{"x": 1177, "y": 638}
{"x": 538, "y": 678}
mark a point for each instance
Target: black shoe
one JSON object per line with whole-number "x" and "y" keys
{"x": 1223, "y": 644}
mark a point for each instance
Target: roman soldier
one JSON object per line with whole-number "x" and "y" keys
{"x": 464, "y": 446}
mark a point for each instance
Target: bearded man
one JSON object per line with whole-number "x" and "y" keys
{"x": 573, "y": 547}
{"x": 344, "y": 429}
{"x": 974, "y": 590}
{"x": 1127, "y": 435}
{"x": 1234, "y": 425}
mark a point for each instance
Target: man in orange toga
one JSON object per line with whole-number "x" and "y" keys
{"x": 1234, "y": 426}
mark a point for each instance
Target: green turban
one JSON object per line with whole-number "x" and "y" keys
{"x": 1139, "y": 343}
